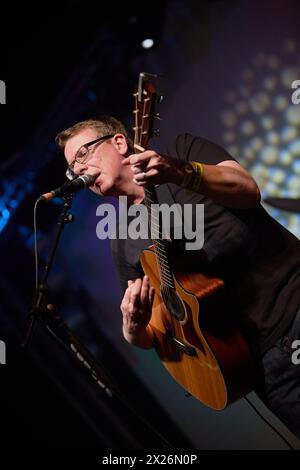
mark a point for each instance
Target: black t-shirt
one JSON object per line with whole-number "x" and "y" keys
{"x": 258, "y": 259}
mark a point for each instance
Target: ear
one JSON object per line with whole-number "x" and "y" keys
{"x": 120, "y": 143}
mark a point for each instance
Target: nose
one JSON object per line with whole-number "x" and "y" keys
{"x": 80, "y": 168}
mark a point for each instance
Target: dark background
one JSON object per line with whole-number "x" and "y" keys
{"x": 69, "y": 60}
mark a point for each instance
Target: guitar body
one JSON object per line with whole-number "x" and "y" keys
{"x": 203, "y": 352}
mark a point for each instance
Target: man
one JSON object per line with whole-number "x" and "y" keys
{"x": 257, "y": 258}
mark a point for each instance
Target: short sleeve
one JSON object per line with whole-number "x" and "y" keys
{"x": 192, "y": 148}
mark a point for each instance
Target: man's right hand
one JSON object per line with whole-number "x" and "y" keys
{"x": 136, "y": 308}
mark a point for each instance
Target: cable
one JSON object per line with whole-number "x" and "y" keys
{"x": 36, "y": 259}
{"x": 269, "y": 424}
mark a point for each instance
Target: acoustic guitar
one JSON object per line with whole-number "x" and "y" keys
{"x": 206, "y": 355}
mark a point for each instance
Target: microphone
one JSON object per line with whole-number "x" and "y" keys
{"x": 78, "y": 183}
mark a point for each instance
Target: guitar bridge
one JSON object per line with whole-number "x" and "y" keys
{"x": 183, "y": 347}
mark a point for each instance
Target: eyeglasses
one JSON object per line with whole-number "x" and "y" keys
{"x": 82, "y": 155}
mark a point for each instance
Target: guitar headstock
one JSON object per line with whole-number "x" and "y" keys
{"x": 145, "y": 100}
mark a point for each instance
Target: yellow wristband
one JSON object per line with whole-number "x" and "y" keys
{"x": 195, "y": 183}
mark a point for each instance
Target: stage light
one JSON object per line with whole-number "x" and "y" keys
{"x": 147, "y": 43}
{"x": 6, "y": 214}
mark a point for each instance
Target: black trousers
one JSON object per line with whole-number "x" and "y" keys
{"x": 280, "y": 371}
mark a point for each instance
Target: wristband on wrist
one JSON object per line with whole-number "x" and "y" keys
{"x": 198, "y": 167}
{"x": 193, "y": 173}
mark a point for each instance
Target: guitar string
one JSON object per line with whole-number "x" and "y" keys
{"x": 140, "y": 137}
{"x": 165, "y": 274}
{"x": 162, "y": 254}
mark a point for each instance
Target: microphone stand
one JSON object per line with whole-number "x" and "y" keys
{"x": 56, "y": 326}
{"x": 40, "y": 293}
{"x": 46, "y": 312}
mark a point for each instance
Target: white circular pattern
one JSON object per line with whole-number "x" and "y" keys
{"x": 294, "y": 147}
{"x": 292, "y": 115}
{"x": 247, "y": 127}
{"x": 262, "y": 126}
{"x": 260, "y": 102}
{"x": 281, "y": 102}
{"x": 270, "y": 83}
{"x": 296, "y": 167}
{"x": 273, "y": 138}
{"x": 229, "y": 136}
{"x": 288, "y": 133}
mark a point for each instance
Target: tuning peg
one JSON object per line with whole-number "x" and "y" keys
{"x": 160, "y": 98}
{"x": 156, "y": 132}
{"x": 157, "y": 116}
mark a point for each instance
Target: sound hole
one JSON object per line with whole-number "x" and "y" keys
{"x": 173, "y": 302}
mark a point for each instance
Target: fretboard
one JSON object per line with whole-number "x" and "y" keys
{"x": 160, "y": 244}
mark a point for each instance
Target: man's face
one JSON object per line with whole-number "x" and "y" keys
{"x": 102, "y": 161}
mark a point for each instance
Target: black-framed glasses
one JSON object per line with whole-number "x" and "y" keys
{"x": 82, "y": 155}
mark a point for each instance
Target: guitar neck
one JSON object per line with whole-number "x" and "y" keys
{"x": 145, "y": 99}
{"x": 157, "y": 237}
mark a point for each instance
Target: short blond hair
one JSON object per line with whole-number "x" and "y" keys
{"x": 104, "y": 125}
